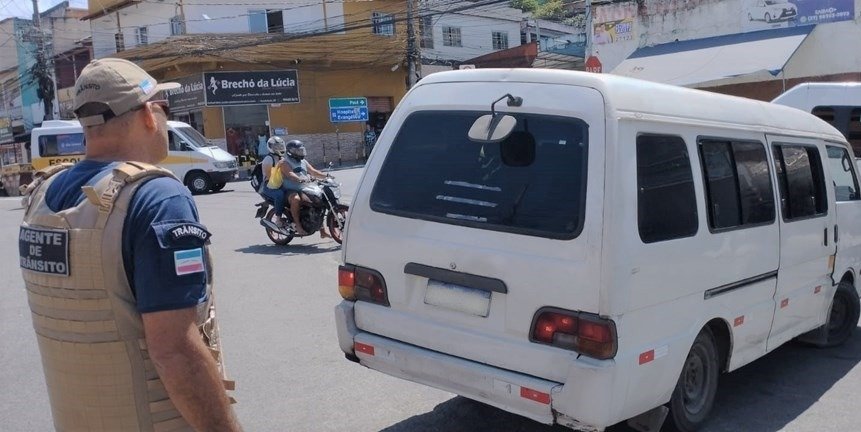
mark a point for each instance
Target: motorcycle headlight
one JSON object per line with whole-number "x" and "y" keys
{"x": 336, "y": 192}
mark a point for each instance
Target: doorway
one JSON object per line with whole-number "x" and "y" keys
{"x": 246, "y": 128}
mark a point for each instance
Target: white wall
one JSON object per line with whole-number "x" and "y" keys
{"x": 826, "y": 51}
{"x": 476, "y": 27}
{"x": 202, "y": 17}
{"x": 8, "y": 49}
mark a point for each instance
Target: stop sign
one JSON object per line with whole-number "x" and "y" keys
{"x": 593, "y": 64}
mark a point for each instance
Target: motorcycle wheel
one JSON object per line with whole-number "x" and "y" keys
{"x": 276, "y": 237}
{"x": 334, "y": 227}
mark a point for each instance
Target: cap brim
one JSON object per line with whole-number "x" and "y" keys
{"x": 167, "y": 86}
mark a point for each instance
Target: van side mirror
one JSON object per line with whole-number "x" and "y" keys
{"x": 492, "y": 128}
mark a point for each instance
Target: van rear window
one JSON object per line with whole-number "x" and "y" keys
{"x": 533, "y": 182}
{"x": 61, "y": 144}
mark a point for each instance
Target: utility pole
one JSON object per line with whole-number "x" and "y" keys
{"x": 42, "y": 72}
{"x": 411, "y": 47}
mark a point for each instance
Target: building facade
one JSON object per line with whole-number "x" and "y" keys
{"x": 751, "y": 48}
{"x": 253, "y": 70}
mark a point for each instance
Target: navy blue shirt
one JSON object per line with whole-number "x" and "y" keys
{"x": 162, "y": 239}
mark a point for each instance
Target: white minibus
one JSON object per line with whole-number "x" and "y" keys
{"x": 838, "y": 103}
{"x": 584, "y": 249}
{"x": 201, "y": 166}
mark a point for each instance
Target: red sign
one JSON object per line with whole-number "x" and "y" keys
{"x": 593, "y": 64}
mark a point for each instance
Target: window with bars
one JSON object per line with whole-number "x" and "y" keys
{"x": 500, "y": 40}
{"x": 426, "y": 31}
{"x": 177, "y": 26}
{"x": 451, "y": 36}
{"x": 120, "y": 42}
{"x": 383, "y": 23}
{"x": 142, "y": 36}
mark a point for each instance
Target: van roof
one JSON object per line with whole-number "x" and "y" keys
{"x": 629, "y": 95}
{"x": 807, "y": 96}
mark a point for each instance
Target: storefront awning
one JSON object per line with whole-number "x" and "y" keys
{"x": 698, "y": 61}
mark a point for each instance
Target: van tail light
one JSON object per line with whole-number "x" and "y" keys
{"x": 584, "y": 333}
{"x": 358, "y": 283}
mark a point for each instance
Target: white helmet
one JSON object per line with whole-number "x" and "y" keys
{"x": 277, "y": 146}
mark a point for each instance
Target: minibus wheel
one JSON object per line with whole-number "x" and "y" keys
{"x": 843, "y": 317}
{"x": 198, "y": 182}
{"x": 695, "y": 391}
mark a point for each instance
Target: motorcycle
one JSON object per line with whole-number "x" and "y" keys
{"x": 320, "y": 204}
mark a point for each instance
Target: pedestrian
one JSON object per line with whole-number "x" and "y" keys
{"x": 118, "y": 272}
{"x": 370, "y": 139}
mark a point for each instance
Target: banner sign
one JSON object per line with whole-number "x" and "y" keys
{"x": 613, "y": 31}
{"x": 251, "y": 88}
{"x": 188, "y": 96}
{"x": 768, "y": 14}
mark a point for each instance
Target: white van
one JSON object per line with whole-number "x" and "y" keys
{"x": 601, "y": 249}
{"x": 201, "y": 165}
{"x": 838, "y": 103}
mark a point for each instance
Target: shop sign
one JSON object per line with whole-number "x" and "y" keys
{"x": 251, "y": 88}
{"x": 762, "y": 14}
{"x": 188, "y": 96}
{"x": 5, "y": 129}
{"x": 280, "y": 131}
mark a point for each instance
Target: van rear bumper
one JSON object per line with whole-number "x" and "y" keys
{"x": 511, "y": 391}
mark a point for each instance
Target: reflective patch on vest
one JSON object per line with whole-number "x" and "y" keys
{"x": 44, "y": 251}
{"x": 181, "y": 234}
{"x": 188, "y": 261}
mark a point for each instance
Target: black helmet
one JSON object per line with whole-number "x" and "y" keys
{"x": 296, "y": 149}
{"x": 276, "y": 145}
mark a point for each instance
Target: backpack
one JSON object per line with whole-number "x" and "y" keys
{"x": 257, "y": 173}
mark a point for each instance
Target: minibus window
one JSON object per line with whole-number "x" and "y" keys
{"x": 854, "y": 132}
{"x": 738, "y": 186}
{"x": 174, "y": 142}
{"x": 61, "y": 144}
{"x": 666, "y": 203}
{"x": 843, "y": 174}
{"x": 532, "y": 183}
{"x": 802, "y": 187}
{"x": 825, "y": 113}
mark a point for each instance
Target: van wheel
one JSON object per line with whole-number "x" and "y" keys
{"x": 218, "y": 186}
{"x": 695, "y": 391}
{"x": 198, "y": 183}
{"x": 843, "y": 317}
{"x": 767, "y": 17}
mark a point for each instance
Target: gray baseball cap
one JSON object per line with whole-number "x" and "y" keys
{"x": 111, "y": 87}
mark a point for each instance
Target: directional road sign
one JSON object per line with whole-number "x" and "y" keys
{"x": 348, "y": 110}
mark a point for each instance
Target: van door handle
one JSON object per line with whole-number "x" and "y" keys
{"x": 835, "y": 234}
{"x": 825, "y": 237}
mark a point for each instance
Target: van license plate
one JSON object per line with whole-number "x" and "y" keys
{"x": 458, "y": 298}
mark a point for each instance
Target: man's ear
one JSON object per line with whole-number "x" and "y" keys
{"x": 150, "y": 121}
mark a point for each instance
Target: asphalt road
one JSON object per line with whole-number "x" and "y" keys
{"x": 275, "y": 308}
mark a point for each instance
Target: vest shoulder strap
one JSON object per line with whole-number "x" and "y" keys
{"x": 105, "y": 192}
{"x": 28, "y": 191}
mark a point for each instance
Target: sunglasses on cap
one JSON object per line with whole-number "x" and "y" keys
{"x": 160, "y": 102}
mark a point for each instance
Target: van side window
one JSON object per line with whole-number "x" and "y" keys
{"x": 666, "y": 202}
{"x": 738, "y": 186}
{"x": 843, "y": 174}
{"x": 854, "y": 131}
{"x": 802, "y": 185}
{"x": 174, "y": 142}
{"x": 61, "y": 144}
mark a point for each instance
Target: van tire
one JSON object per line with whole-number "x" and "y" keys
{"x": 694, "y": 395}
{"x": 843, "y": 316}
{"x": 198, "y": 182}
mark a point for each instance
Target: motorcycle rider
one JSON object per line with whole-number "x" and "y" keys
{"x": 275, "y": 158}
{"x": 296, "y": 171}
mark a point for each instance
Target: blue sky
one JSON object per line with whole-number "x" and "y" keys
{"x": 24, "y": 8}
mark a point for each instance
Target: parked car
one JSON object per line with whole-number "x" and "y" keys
{"x": 772, "y": 10}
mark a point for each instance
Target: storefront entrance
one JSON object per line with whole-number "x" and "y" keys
{"x": 246, "y": 129}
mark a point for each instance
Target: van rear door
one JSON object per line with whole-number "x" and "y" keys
{"x": 473, "y": 239}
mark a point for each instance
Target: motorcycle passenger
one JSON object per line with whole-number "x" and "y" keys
{"x": 296, "y": 171}
{"x": 275, "y": 158}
